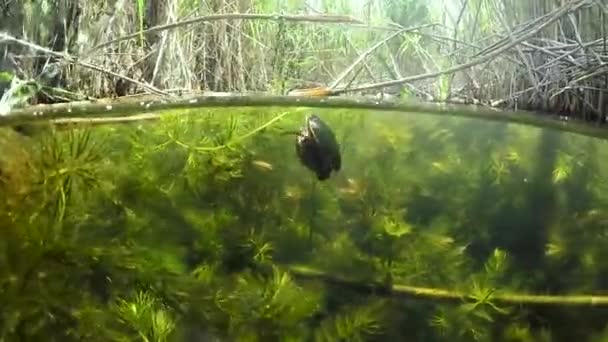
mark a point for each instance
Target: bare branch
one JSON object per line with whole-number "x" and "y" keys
{"x": 370, "y": 50}
{"x": 151, "y": 104}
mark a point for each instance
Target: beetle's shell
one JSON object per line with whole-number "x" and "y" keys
{"x": 317, "y": 148}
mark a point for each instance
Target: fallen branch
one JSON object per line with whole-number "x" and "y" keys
{"x": 74, "y": 60}
{"x": 572, "y": 5}
{"x": 126, "y": 106}
{"x": 306, "y": 272}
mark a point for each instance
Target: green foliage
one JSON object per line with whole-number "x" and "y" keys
{"x": 5, "y": 77}
{"x": 354, "y": 324}
{"x": 18, "y": 93}
{"x": 407, "y": 12}
{"x": 143, "y": 314}
{"x": 69, "y": 168}
{"x": 267, "y": 309}
{"x": 141, "y": 8}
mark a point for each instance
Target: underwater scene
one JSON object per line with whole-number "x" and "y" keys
{"x": 205, "y": 225}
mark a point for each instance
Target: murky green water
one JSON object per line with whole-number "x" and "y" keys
{"x": 191, "y": 229}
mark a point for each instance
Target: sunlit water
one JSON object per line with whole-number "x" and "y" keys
{"x": 169, "y": 230}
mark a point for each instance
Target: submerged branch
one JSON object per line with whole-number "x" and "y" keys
{"x": 306, "y": 272}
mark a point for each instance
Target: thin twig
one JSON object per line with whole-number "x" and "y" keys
{"x": 366, "y": 65}
{"x": 370, "y": 50}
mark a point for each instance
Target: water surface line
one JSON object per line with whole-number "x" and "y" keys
{"x": 149, "y": 104}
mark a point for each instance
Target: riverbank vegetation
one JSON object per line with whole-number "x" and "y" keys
{"x": 538, "y": 55}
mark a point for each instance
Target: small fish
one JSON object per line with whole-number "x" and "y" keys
{"x": 353, "y": 188}
{"x": 262, "y": 165}
{"x": 293, "y": 193}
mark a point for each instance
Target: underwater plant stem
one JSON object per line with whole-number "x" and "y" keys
{"x": 143, "y": 336}
{"x": 307, "y": 272}
{"x": 233, "y": 141}
{"x": 313, "y": 210}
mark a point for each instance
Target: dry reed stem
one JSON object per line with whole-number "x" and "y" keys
{"x": 231, "y": 16}
{"x": 509, "y": 32}
{"x": 74, "y": 60}
{"x": 365, "y": 64}
{"x": 371, "y": 50}
{"x": 558, "y": 13}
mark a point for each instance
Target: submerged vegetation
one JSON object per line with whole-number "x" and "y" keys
{"x": 192, "y": 228}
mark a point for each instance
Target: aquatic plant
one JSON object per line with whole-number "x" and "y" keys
{"x": 194, "y": 225}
